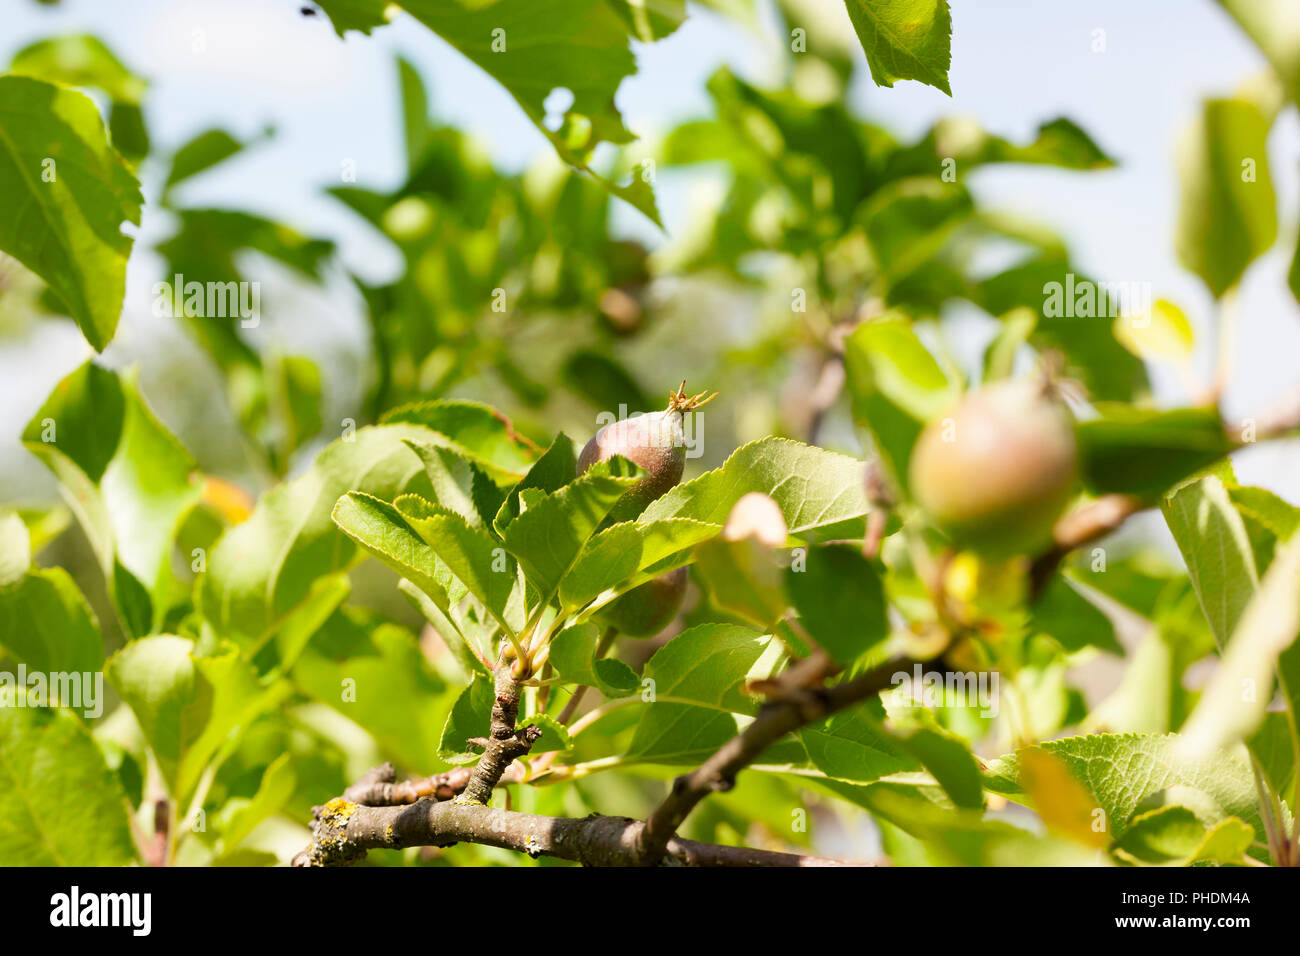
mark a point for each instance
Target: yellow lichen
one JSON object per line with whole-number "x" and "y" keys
{"x": 338, "y": 811}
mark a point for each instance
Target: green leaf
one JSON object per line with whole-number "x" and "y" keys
{"x": 1293, "y": 277}
{"x": 59, "y": 804}
{"x": 260, "y": 570}
{"x": 905, "y": 39}
{"x": 68, "y": 195}
{"x": 375, "y": 675}
{"x": 1274, "y": 26}
{"x": 83, "y": 60}
{"x": 840, "y": 599}
{"x": 294, "y": 402}
{"x": 1228, "y": 211}
{"x": 549, "y": 534}
{"x": 616, "y": 559}
{"x": 474, "y": 431}
{"x": 452, "y": 477}
{"x": 1143, "y": 452}
{"x": 908, "y": 221}
{"x": 1214, "y": 543}
{"x": 1128, "y": 773}
{"x": 148, "y": 488}
{"x": 80, "y": 423}
{"x": 1164, "y": 333}
{"x": 1274, "y": 747}
{"x": 556, "y": 468}
{"x": 958, "y": 837}
{"x": 945, "y": 754}
{"x": 896, "y": 386}
{"x": 276, "y": 789}
{"x": 79, "y": 59}
{"x": 302, "y": 623}
{"x": 186, "y": 705}
{"x": 573, "y": 657}
{"x": 470, "y": 717}
{"x": 1280, "y": 518}
{"x": 708, "y": 665}
{"x": 602, "y": 381}
{"x": 745, "y": 579}
{"x": 1233, "y": 704}
{"x": 1173, "y": 835}
{"x": 46, "y": 623}
{"x": 1059, "y": 142}
{"x": 1072, "y": 620}
{"x": 819, "y": 492}
{"x": 533, "y": 49}
{"x": 210, "y": 148}
{"x": 469, "y": 653}
{"x": 555, "y": 736}
{"x": 126, "y": 478}
{"x": 476, "y": 559}
{"x": 853, "y": 745}
{"x": 15, "y": 549}
{"x": 429, "y": 546}
{"x": 1045, "y": 284}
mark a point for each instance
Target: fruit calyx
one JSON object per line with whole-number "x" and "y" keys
{"x": 682, "y": 403}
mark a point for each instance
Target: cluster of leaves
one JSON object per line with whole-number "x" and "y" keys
{"x": 258, "y": 675}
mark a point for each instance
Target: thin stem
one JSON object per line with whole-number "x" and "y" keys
{"x": 773, "y": 722}
{"x": 1266, "y": 811}
{"x": 596, "y": 713}
{"x": 1226, "y": 344}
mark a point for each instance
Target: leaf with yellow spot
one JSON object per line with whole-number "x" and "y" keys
{"x": 1161, "y": 333}
{"x": 1064, "y": 804}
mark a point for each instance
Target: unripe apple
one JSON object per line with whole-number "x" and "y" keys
{"x": 647, "y": 609}
{"x": 996, "y": 472}
{"x": 654, "y": 442}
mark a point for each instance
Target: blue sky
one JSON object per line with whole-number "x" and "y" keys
{"x": 1016, "y": 63}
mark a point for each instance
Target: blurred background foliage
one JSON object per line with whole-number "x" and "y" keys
{"x": 516, "y": 289}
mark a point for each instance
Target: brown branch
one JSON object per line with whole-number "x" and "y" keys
{"x": 773, "y": 722}
{"x": 1082, "y": 527}
{"x": 1280, "y": 419}
{"x": 377, "y": 788}
{"x": 344, "y": 831}
{"x": 1099, "y": 518}
{"x": 881, "y": 498}
{"x": 504, "y": 743}
{"x": 159, "y": 840}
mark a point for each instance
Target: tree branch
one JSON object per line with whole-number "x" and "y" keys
{"x": 774, "y": 721}
{"x": 343, "y": 831}
{"x": 504, "y": 742}
{"x": 1090, "y": 523}
{"x": 377, "y": 788}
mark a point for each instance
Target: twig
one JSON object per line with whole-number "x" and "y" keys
{"x": 159, "y": 840}
{"x": 344, "y": 831}
{"x": 377, "y": 787}
{"x": 1090, "y": 523}
{"x": 1281, "y": 418}
{"x": 504, "y": 742}
{"x": 774, "y": 721}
